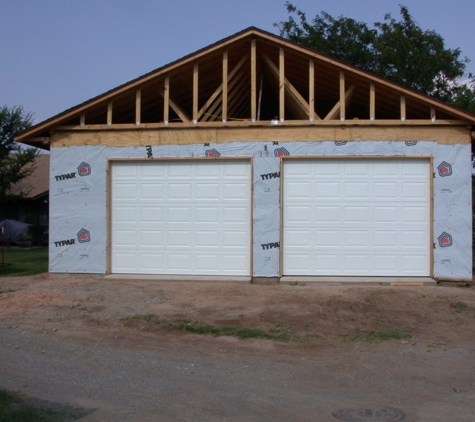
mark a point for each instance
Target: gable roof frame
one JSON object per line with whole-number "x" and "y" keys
{"x": 302, "y": 82}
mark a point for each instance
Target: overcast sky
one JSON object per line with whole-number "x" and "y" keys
{"x": 55, "y": 54}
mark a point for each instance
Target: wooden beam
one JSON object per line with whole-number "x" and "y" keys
{"x": 253, "y": 80}
{"x": 109, "y": 112}
{"x": 224, "y": 114}
{"x": 166, "y": 99}
{"x": 335, "y": 111}
{"x": 195, "y": 93}
{"x": 403, "y": 108}
{"x": 342, "y": 96}
{"x": 311, "y": 90}
{"x": 281, "y": 84}
{"x": 208, "y": 106}
{"x": 220, "y": 89}
{"x": 138, "y": 106}
{"x": 300, "y": 102}
{"x": 235, "y": 89}
{"x": 372, "y": 101}
{"x": 193, "y": 134}
{"x": 176, "y": 108}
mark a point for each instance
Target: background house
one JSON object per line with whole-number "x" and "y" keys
{"x": 257, "y": 157}
{"x": 33, "y": 207}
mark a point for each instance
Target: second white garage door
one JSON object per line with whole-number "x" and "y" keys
{"x": 181, "y": 217}
{"x": 356, "y": 217}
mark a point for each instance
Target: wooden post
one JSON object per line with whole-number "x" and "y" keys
{"x": 372, "y": 101}
{"x": 281, "y": 84}
{"x": 225, "y": 87}
{"x": 253, "y": 81}
{"x": 166, "y": 100}
{"x": 432, "y": 114}
{"x": 195, "y": 93}
{"x": 311, "y": 90}
{"x": 403, "y": 108}
{"x": 82, "y": 119}
{"x": 138, "y": 105}
{"x": 342, "y": 96}
{"x": 109, "y": 113}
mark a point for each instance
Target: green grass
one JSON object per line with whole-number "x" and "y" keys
{"x": 387, "y": 333}
{"x": 24, "y": 262}
{"x": 462, "y": 307}
{"x": 277, "y": 334}
{"x": 15, "y": 408}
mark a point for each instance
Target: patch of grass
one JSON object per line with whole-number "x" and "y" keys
{"x": 24, "y": 262}
{"x": 7, "y": 291}
{"x": 277, "y": 334}
{"x": 462, "y": 307}
{"x": 387, "y": 333}
{"x": 15, "y": 408}
{"x": 147, "y": 317}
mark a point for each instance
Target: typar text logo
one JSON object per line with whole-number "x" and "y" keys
{"x": 445, "y": 169}
{"x": 271, "y": 245}
{"x": 212, "y": 153}
{"x": 445, "y": 240}
{"x": 84, "y": 169}
{"x": 340, "y": 143}
{"x": 270, "y": 175}
{"x": 411, "y": 143}
{"x": 84, "y": 236}
{"x": 281, "y": 152}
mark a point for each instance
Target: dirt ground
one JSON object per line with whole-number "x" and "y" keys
{"x": 331, "y": 320}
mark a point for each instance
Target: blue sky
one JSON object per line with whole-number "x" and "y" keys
{"x": 56, "y": 54}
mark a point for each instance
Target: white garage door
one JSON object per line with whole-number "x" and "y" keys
{"x": 356, "y": 217}
{"x": 181, "y": 217}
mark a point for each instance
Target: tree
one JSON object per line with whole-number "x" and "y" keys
{"x": 397, "y": 50}
{"x": 16, "y": 161}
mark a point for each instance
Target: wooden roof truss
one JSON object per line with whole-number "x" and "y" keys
{"x": 253, "y": 78}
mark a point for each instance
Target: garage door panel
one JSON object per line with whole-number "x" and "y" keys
{"x": 235, "y": 239}
{"x": 372, "y": 212}
{"x": 415, "y": 191}
{"x": 413, "y": 215}
{"x": 328, "y": 214}
{"x": 326, "y": 239}
{"x": 386, "y": 238}
{"x": 126, "y": 191}
{"x": 191, "y": 214}
{"x": 236, "y": 191}
{"x": 356, "y": 190}
{"x": 299, "y": 238}
{"x": 151, "y": 191}
{"x": 327, "y": 190}
{"x": 126, "y": 214}
{"x": 125, "y": 237}
{"x": 207, "y": 191}
{"x": 207, "y": 215}
{"x": 208, "y": 239}
{"x": 385, "y": 191}
{"x": 151, "y": 261}
{"x": 358, "y": 239}
{"x": 179, "y": 215}
{"x": 152, "y": 238}
{"x": 357, "y": 214}
{"x": 386, "y": 214}
{"x": 325, "y": 263}
{"x": 152, "y": 214}
{"x": 179, "y": 191}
